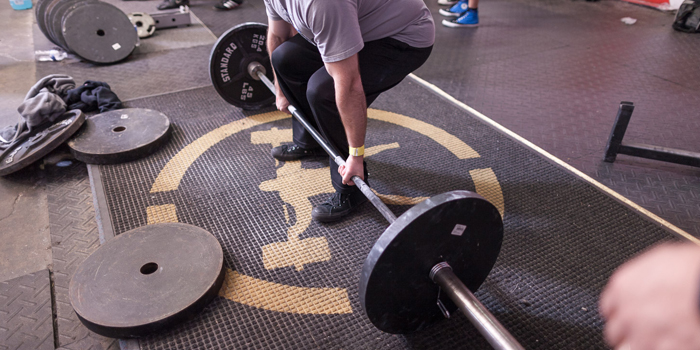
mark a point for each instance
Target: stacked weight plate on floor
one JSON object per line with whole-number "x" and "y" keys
{"x": 39, "y": 11}
{"x": 42, "y": 17}
{"x": 96, "y": 31}
{"x": 58, "y": 13}
{"x": 49, "y": 23}
{"x": 120, "y": 135}
{"x": 99, "y": 32}
{"x": 35, "y": 147}
{"x": 147, "y": 279}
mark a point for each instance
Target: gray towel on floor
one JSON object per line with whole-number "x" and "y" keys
{"x": 42, "y": 104}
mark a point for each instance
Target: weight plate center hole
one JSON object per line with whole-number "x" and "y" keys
{"x": 139, "y": 24}
{"x": 119, "y": 129}
{"x": 100, "y": 32}
{"x": 149, "y": 268}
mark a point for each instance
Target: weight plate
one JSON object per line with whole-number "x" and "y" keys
{"x": 228, "y": 66}
{"x": 99, "y": 32}
{"x": 42, "y": 143}
{"x": 48, "y": 20}
{"x": 144, "y": 23}
{"x": 58, "y": 13}
{"x": 147, "y": 279}
{"x": 39, "y": 15}
{"x": 460, "y": 228}
{"x": 120, "y": 136}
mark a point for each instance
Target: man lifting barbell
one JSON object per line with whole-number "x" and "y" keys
{"x": 331, "y": 60}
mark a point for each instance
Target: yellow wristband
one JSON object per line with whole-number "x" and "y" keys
{"x": 357, "y": 151}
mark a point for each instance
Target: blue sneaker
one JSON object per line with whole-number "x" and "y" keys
{"x": 468, "y": 19}
{"x": 457, "y": 10}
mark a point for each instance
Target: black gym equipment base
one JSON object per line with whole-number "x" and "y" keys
{"x": 615, "y": 145}
{"x": 563, "y": 237}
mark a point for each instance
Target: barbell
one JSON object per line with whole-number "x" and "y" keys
{"x": 445, "y": 245}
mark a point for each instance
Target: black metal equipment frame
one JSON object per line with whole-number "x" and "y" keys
{"x": 615, "y": 145}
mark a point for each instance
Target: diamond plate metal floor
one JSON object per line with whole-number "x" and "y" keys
{"x": 221, "y": 21}
{"x": 74, "y": 237}
{"x": 142, "y": 74}
{"x": 555, "y": 72}
{"x": 25, "y": 313}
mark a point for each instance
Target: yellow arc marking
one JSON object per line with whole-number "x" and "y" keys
{"x": 171, "y": 175}
{"x": 161, "y": 213}
{"x": 487, "y": 185}
{"x": 283, "y": 298}
{"x": 393, "y": 199}
{"x": 445, "y": 139}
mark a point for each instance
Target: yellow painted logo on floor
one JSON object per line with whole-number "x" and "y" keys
{"x": 295, "y": 186}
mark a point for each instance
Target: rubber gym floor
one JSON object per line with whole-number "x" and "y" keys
{"x": 518, "y": 109}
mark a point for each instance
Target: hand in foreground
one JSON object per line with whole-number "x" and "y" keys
{"x": 282, "y": 103}
{"x": 652, "y": 301}
{"x": 353, "y": 167}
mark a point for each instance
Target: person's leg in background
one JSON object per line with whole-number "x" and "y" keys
{"x": 447, "y": 2}
{"x": 172, "y": 4}
{"x": 466, "y": 11}
{"x": 226, "y": 5}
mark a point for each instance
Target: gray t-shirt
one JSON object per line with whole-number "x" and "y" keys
{"x": 339, "y": 28}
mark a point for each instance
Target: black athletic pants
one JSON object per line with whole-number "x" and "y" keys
{"x": 308, "y": 86}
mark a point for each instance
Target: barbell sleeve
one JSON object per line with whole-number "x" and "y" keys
{"x": 485, "y": 322}
{"x": 257, "y": 71}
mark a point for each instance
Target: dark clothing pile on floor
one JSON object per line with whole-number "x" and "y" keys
{"x": 688, "y": 17}
{"x": 49, "y": 99}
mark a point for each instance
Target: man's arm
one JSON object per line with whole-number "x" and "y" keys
{"x": 277, "y": 33}
{"x": 651, "y": 302}
{"x": 352, "y": 105}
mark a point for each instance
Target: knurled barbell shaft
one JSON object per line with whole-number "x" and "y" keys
{"x": 484, "y": 321}
{"x": 257, "y": 71}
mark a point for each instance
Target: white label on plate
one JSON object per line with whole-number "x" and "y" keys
{"x": 458, "y": 230}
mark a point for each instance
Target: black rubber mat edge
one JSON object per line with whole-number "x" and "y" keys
{"x": 653, "y": 218}
{"x": 102, "y": 216}
{"x": 105, "y": 227}
{"x": 73, "y": 237}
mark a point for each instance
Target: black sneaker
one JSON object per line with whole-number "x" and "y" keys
{"x": 294, "y": 152}
{"x": 338, "y": 206}
{"x": 173, "y": 4}
{"x": 227, "y": 5}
